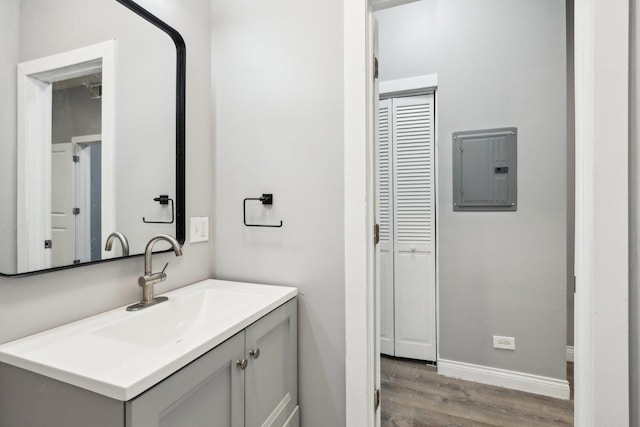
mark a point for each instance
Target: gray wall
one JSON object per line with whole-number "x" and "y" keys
{"x": 407, "y": 44}
{"x": 33, "y": 304}
{"x": 499, "y": 63}
{"x": 505, "y": 273}
{"x": 278, "y": 96}
{"x": 75, "y": 114}
{"x": 409, "y": 47}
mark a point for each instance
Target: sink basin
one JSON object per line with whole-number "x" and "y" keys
{"x": 177, "y": 318}
{"x": 120, "y": 353}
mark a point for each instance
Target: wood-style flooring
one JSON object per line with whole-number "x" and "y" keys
{"x": 414, "y": 395}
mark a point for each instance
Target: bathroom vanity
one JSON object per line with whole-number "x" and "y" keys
{"x": 217, "y": 353}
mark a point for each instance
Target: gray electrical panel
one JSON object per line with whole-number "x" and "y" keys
{"x": 485, "y": 170}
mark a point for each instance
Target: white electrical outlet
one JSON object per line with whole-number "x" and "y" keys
{"x": 199, "y": 229}
{"x": 504, "y": 343}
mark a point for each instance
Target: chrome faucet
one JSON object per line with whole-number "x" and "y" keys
{"x": 123, "y": 242}
{"x": 149, "y": 279}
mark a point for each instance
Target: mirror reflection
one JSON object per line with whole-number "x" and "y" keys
{"x": 87, "y": 126}
{"x": 76, "y": 170}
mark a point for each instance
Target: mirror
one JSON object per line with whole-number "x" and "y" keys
{"x": 92, "y": 131}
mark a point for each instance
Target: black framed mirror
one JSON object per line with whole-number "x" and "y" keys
{"x": 92, "y": 95}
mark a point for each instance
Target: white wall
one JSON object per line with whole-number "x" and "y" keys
{"x": 502, "y": 63}
{"x": 634, "y": 218}
{"x": 408, "y": 40}
{"x": 33, "y": 304}
{"x": 278, "y": 94}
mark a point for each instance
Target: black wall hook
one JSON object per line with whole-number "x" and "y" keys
{"x": 163, "y": 199}
{"x": 266, "y": 199}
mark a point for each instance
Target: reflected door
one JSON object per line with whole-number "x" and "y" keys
{"x": 63, "y": 235}
{"x": 88, "y": 150}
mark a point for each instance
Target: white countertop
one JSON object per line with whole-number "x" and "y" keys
{"x": 120, "y": 354}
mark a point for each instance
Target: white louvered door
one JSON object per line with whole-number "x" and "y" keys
{"x": 385, "y": 206}
{"x": 414, "y": 220}
{"x": 412, "y": 229}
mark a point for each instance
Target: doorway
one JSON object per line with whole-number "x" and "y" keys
{"x": 501, "y": 318}
{"x": 407, "y": 226}
{"x": 76, "y": 170}
{"x": 602, "y": 200}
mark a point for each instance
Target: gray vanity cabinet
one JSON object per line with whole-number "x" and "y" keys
{"x": 232, "y": 385}
{"x": 215, "y": 390}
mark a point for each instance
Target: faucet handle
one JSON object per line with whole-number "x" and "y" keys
{"x": 165, "y": 267}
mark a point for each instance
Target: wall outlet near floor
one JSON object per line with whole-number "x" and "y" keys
{"x": 504, "y": 343}
{"x": 199, "y": 229}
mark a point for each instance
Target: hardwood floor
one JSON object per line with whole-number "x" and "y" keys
{"x": 414, "y": 395}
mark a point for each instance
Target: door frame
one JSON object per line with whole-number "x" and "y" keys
{"x": 602, "y": 95}
{"x": 359, "y": 211}
{"x": 35, "y": 81}
{"x": 602, "y": 216}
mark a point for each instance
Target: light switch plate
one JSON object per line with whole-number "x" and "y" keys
{"x": 199, "y": 229}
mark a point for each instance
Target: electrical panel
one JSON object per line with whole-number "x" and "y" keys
{"x": 485, "y": 170}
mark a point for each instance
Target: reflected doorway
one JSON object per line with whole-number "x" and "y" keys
{"x": 76, "y": 170}
{"x": 65, "y": 158}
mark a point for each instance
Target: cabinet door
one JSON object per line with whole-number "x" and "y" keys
{"x": 208, "y": 392}
{"x": 271, "y": 375}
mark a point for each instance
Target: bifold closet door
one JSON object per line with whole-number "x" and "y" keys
{"x": 385, "y": 206}
{"x": 414, "y": 227}
{"x": 407, "y": 227}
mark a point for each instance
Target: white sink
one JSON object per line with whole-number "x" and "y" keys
{"x": 178, "y": 317}
{"x": 121, "y": 353}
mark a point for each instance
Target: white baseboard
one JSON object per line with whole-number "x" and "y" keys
{"x": 503, "y": 378}
{"x": 569, "y": 353}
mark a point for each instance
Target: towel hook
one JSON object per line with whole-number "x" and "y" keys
{"x": 163, "y": 199}
{"x": 266, "y": 199}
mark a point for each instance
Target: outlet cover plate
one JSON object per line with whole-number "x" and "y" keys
{"x": 199, "y": 229}
{"x": 504, "y": 343}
